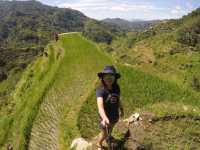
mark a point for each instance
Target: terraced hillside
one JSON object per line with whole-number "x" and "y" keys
{"x": 142, "y": 92}
{"x": 55, "y": 98}
{"x": 45, "y": 116}
{"x": 169, "y": 49}
{"x": 55, "y": 124}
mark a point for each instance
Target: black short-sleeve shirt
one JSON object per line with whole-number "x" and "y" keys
{"x": 110, "y": 101}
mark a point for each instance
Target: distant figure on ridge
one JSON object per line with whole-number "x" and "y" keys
{"x": 108, "y": 102}
{"x": 56, "y": 37}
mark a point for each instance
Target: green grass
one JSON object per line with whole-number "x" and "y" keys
{"x": 58, "y": 92}
{"x": 139, "y": 91}
{"x": 61, "y": 82}
{"x": 82, "y": 63}
{"x": 6, "y": 103}
{"x": 161, "y": 55}
{"x": 28, "y": 95}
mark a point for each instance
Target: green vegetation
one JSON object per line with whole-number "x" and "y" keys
{"x": 25, "y": 29}
{"x": 139, "y": 91}
{"x": 28, "y": 95}
{"x": 82, "y": 61}
{"x": 66, "y": 92}
{"x": 135, "y": 25}
{"x": 55, "y": 94}
{"x": 169, "y": 50}
{"x": 189, "y": 34}
{"x": 12, "y": 66}
{"x": 52, "y": 77}
{"x": 101, "y": 32}
{"x": 30, "y": 23}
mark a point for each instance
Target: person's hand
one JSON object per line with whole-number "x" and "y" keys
{"x": 105, "y": 121}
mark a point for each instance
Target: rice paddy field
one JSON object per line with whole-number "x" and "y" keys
{"x": 54, "y": 101}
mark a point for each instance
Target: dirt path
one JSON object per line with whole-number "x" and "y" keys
{"x": 163, "y": 133}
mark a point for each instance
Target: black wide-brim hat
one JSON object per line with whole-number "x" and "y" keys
{"x": 109, "y": 70}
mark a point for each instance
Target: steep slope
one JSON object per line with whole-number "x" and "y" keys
{"x": 135, "y": 25}
{"x": 55, "y": 99}
{"x": 31, "y": 23}
{"x": 141, "y": 92}
{"x": 55, "y": 125}
{"x": 51, "y": 91}
{"x": 29, "y": 93}
{"x": 26, "y": 27}
{"x": 170, "y": 50}
{"x": 144, "y": 93}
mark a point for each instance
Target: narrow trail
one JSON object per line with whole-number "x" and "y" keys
{"x": 160, "y": 132}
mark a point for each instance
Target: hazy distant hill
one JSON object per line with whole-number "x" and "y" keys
{"x": 169, "y": 49}
{"x": 134, "y": 25}
{"x": 26, "y": 23}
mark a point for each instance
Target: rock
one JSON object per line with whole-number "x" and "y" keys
{"x": 80, "y": 144}
{"x": 133, "y": 118}
{"x": 122, "y": 129}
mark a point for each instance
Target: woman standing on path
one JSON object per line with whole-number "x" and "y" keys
{"x": 108, "y": 101}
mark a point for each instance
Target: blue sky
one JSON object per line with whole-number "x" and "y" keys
{"x": 129, "y": 9}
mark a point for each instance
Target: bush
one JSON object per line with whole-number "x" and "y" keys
{"x": 195, "y": 83}
{"x": 190, "y": 34}
{"x": 97, "y": 32}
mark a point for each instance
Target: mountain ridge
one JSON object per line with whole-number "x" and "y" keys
{"x": 134, "y": 25}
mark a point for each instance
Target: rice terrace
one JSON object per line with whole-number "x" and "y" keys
{"x": 49, "y": 60}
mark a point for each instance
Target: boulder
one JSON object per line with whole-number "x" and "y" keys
{"x": 133, "y": 118}
{"x": 80, "y": 144}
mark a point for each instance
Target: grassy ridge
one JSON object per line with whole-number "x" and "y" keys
{"x": 28, "y": 95}
{"x": 7, "y": 86}
{"x": 83, "y": 61}
{"x": 65, "y": 80}
{"x": 169, "y": 50}
{"x": 139, "y": 90}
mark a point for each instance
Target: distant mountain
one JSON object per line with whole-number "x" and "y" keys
{"x": 130, "y": 25}
{"x": 29, "y": 23}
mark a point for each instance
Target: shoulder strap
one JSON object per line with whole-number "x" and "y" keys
{"x": 109, "y": 94}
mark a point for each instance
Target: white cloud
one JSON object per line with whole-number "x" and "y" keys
{"x": 109, "y": 5}
{"x": 128, "y": 9}
{"x": 189, "y": 5}
{"x": 178, "y": 11}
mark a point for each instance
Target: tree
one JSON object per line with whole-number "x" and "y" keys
{"x": 190, "y": 34}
